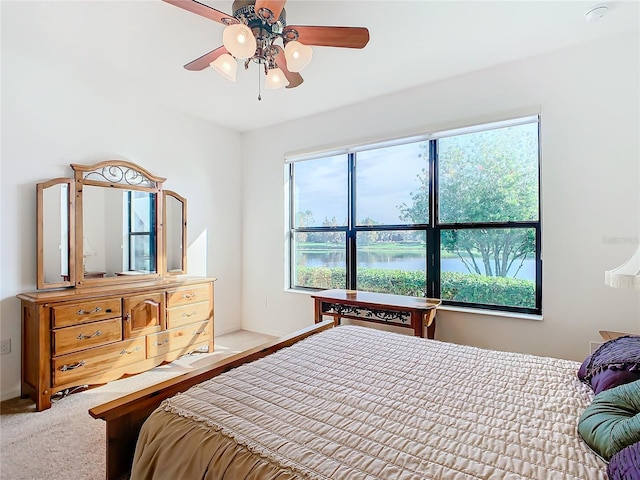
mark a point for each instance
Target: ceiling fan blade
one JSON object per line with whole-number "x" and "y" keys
{"x": 348, "y": 37}
{"x": 273, "y": 9}
{"x": 294, "y": 78}
{"x": 203, "y": 10}
{"x": 204, "y": 61}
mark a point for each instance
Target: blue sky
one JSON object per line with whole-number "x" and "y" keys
{"x": 385, "y": 179}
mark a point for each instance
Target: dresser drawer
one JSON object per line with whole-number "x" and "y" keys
{"x": 178, "y": 316}
{"x": 82, "y": 312}
{"x": 182, "y": 296}
{"x": 80, "y": 366}
{"x": 182, "y": 338}
{"x": 72, "y": 339}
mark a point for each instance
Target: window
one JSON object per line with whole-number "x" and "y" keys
{"x": 141, "y": 230}
{"x": 454, "y": 215}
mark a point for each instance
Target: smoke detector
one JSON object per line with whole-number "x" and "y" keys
{"x": 596, "y": 13}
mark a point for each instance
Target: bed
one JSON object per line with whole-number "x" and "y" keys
{"x": 358, "y": 403}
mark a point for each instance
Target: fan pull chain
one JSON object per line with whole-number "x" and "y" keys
{"x": 259, "y": 96}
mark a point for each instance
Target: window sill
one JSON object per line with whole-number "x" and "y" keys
{"x": 492, "y": 313}
{"x": 451, "y": 308}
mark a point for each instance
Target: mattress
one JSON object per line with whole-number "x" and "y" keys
{"x": 360, "y": 403}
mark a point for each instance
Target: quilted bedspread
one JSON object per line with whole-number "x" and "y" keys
{"x": 359, "y": 403}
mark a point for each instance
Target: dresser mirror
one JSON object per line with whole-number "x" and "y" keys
{"x": 175, "y": 210}
{"x": 55, "y": 242}
{"x": 111, "y": 223}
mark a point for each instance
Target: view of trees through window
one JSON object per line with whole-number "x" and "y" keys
{"x": 455, "y": 217}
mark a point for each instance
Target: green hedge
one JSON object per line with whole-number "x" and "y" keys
{"x": 461, "y": 287}
{"x": 464, "y": 287}
{"x": 321, "y": 277}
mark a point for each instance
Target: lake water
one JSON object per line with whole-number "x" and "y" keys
{"x": 402, "y": 262}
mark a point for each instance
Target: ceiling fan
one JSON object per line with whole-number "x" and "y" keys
{"x": 251, "y": 33}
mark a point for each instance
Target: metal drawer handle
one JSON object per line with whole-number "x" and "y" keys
{"x": 156, "y": 344}
{"x": 66, "y": 367}
{"x": 187, "y": 315}
{"x": 88, "y": 312}
{"x": 189, "y": 296}
{"x": 199, "y": 332}
{"x": 84, "y": 337}
{"x": 125, "y": 352}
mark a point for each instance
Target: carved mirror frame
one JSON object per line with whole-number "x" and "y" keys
{"x": 110, "y": 174}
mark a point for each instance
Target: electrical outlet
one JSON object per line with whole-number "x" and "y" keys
{"x": 5, "y": 346}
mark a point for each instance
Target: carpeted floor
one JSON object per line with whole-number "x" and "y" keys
{"x": 64, "y": 442}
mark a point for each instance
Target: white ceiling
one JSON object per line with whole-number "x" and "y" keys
{"x": 137, "y": 48}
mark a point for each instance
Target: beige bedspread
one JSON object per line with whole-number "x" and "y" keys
{"x": 359, "y": 403}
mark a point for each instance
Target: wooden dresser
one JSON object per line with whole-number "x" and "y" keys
{"x": 93, "y": 335}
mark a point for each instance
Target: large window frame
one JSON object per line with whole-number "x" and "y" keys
{"x": 433, "y": 229}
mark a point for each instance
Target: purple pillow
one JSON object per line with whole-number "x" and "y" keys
{"x": 625, "y": 465}
{"x": 614, "y": 363}
{"x": 610, "y": 378}
{"x": 582, "y": 371}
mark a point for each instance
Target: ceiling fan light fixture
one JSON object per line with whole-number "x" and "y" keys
{"x": 238, "y": 39}
{"x": 258, "y": 32}
{"x": 275, "y": 79}
{"x": 226, "y": 66}
{"x": 297, "y": 55}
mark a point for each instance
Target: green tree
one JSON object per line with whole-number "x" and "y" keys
{"x": 331, "y": 237}
{"x": 368, "y": 221}
{"x": 484, "y": 177}
{"x": 491, "y": 252}
{"x": 418, "y": 211}
{"x": 304, "y": 219}
{"x": 368, "y": 238}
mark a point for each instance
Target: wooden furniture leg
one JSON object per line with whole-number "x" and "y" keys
{"x": 417, "y": 324}
{"x": 430, "y": 323}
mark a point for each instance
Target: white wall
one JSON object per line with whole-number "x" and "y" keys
{"x": 588, "y": 98}
{"x": 51, "y": 119}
